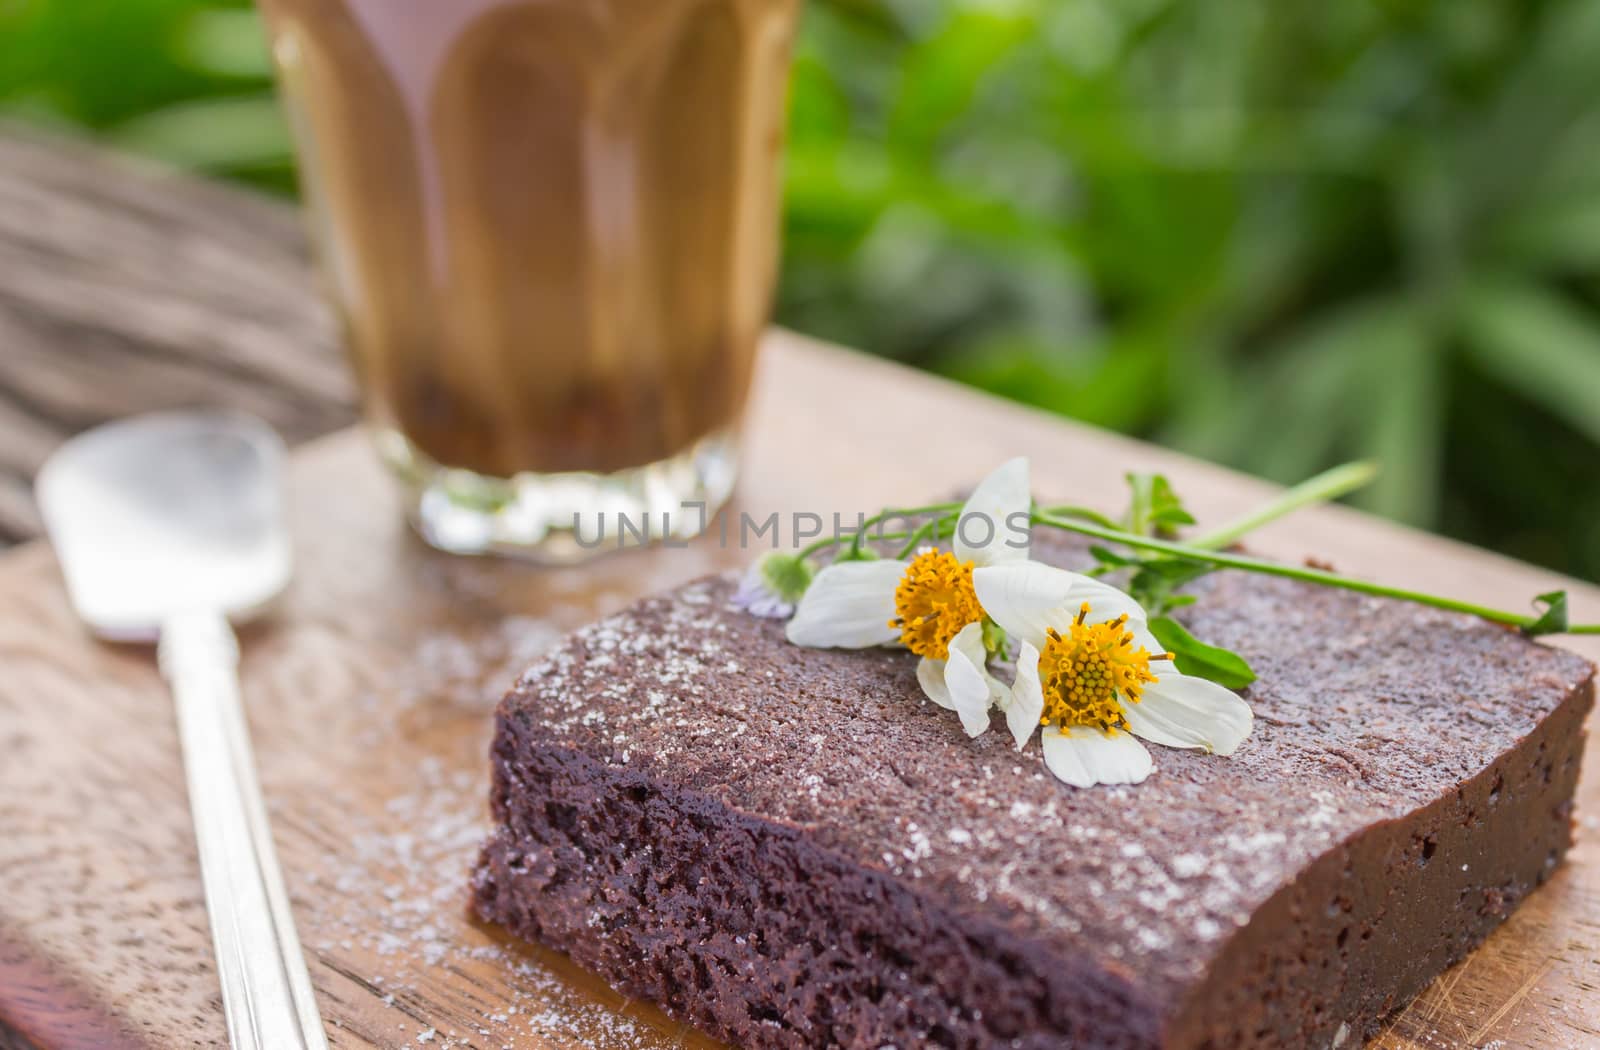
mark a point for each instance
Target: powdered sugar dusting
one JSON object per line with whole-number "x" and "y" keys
{"x": 391, "y": 896}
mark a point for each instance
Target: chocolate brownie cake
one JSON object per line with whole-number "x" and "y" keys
{"x": 794, "y": 848}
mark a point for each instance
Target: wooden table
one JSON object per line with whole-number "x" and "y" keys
{"x": 370, "y": 691}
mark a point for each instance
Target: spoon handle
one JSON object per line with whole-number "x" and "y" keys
{"x": 266, "y": 991}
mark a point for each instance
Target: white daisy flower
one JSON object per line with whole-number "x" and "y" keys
{"x": 928, "y": 604}
{"x": 1091, "y": 673}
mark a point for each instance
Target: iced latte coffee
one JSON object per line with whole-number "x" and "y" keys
{"x": 550, "y": 229}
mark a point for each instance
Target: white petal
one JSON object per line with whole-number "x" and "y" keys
{"x": 1181, "y": 711}
{"x": 1085, "y": 757}
{"x": 1025, "y": 598}
{"x": 969, "y": 643}
{"x": 972, "y": 688}
{"x": 1027, "y": 698}
{"x": 1107, "y": 603}
{"x": 987, "y": 517}
{"x": 848, "y": 606}
{"x": 930, "y": 674}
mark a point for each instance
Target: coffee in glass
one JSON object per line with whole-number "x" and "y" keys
{"x": 550, "y": 227}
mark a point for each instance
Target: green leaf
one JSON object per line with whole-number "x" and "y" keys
{"x": 1196, "y": 658}
{"x": 1107, "y": 556}
{"x": 1307, "y": 388}
{"x": 247, "y": 130}
{"x": 1112, "y": 380}
{"x": 1153, "y": 586}
{"x": 1537, "y": 107}
{"x": 1552, "y": 617}
{"x": 1173, "y": 571}
{"x": 941, "y": 73}
{"x": 1155, "y": 508}
{"x": 1540, "y": 344}
{"x": 1166, "y": 510}
{"x": 224, "y": 43}
{"x": 1554, "y": 233}
{"x": 1402, "y": 413}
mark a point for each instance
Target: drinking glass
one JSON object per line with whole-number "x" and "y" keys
{"x": 550, "y": 230}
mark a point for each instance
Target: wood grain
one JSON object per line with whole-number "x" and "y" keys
{"x": 127, "y": 288}
{"x": 370, "y": 689}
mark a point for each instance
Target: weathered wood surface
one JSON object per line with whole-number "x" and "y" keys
{"x": 370, "y": 689}
{"x": 125, "y": 288}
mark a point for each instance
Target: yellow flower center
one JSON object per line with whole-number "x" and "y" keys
{"x": 933, "y": 601}
{"x": 1090, "y": 672}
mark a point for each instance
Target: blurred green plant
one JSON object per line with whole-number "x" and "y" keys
{"x": 1278, "y": 235}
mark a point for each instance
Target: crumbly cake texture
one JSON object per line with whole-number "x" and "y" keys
{"x": 794, "y": 848}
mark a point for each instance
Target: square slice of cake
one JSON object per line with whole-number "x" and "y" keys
{"x": 790, "y": 847}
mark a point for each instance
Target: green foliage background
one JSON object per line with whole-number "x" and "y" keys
{"x": 1275, "y": 233}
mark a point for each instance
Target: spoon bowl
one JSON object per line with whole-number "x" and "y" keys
{"x": 164, "y": 514}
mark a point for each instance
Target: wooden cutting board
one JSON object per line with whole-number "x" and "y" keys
{"x": 370, "y": 696}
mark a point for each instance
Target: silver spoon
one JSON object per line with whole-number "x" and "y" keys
{"x": 167, "y": 527}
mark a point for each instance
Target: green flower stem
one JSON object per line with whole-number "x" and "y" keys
{"x": 1329, "y": 485}
{"x": 888, "y": 537}
{"x": 922, "y": 533}
{"x": 855, "y": 538}
{"x": 1069, "y": 511}
{"x": 898, "y": 512}
{"x": 1295, "y": 572}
